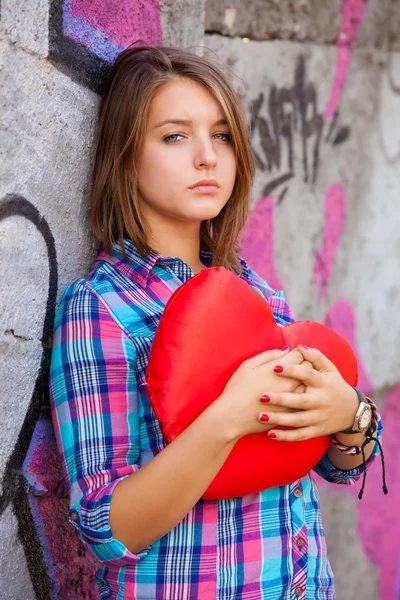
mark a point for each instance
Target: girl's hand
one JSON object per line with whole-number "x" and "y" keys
{"x": 293, "y": 357}
{"x": 241, "y": 402}
{"x": 328, "y": 404}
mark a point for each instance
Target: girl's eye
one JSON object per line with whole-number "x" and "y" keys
{"x": 225, "y": 137}
{"x": 171, "y": 139}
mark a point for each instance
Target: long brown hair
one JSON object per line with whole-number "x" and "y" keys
{"x": 135, "y": 78}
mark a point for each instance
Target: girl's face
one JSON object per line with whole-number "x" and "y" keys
{"x": 186, "y": 141}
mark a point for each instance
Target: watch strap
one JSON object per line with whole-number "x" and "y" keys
{"x": 365, "y": 400}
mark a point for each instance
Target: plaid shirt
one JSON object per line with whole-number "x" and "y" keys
{"x": 265, "y": 546}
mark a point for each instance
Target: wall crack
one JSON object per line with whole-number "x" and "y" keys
{"x": 24, "y": 338}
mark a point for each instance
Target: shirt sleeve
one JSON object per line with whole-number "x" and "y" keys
{"x": 94, "y": 402}
{"x": 283, "y": 316}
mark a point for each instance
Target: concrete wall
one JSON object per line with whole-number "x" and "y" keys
{"x": 321, "y": 86}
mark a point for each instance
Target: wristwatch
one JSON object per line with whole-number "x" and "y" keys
{"x": 363, "y": 417}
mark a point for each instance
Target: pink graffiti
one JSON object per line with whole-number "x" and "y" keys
{"x": 107, "y": 28}
{"x": 335, "y": 216}
{"x": 378, "y": 524}
{"x": 353, "y": 12}
{"x": 258, "y": 241}
{"x": 374, "y": 514}
{"x": 380, "y": 514}
{"x": 70, "y": 566}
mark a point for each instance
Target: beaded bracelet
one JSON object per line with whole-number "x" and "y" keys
{"x": 369, "y": 437}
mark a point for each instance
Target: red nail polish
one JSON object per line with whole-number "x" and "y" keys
{"x": 264, "y": 418}
{"x": 284, "y": 348}
{"x": 265, "y": 398}
{"x": 304, "y": 346}
{"x": 272, "y": 435}
{"x": 278, "y": 369}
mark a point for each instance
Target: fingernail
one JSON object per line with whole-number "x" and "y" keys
{"x": 265, "y": 398}
{"x": 264, "y": 418}
{"x": 284, "y": 348}
{"x": 278, "y": 369}
{"x": 272, "y": 435}
{"x": 303, "y": 346}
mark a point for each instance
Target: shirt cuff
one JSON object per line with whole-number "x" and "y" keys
{"x": 91, "y": 517}
{"x": 327, "y": 470}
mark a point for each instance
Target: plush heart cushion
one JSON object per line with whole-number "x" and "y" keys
{"x": 211, "y": 324}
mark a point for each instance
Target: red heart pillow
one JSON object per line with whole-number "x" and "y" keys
{"x": 211, "y": 324}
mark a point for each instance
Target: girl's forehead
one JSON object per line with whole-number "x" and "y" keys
{"x": 184, "y": 99}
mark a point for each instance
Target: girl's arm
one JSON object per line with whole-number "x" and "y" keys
{"x": 152, "y": 501}
{"x": 118, "y": 505}
{"x": 344, "y": 461}
{"x": 149, "y": 503}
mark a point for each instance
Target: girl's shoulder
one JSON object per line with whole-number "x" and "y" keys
{"x": 105, "y": 289}
{"x": 94, "y": 284}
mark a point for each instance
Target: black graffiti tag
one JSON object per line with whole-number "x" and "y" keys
{"x": 14, "y": 487}
{"x": 292, "y": 111}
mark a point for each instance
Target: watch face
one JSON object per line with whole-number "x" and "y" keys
{"x": 365, "y": 419}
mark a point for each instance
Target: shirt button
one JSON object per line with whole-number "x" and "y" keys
{"x": 298, "y": 591}
{"x": 301, "y": 542}
{"x": 297, "y": 492}
{"x": 74, "y": 516}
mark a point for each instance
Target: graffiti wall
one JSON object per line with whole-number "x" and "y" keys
{"x": 321, "y": 90}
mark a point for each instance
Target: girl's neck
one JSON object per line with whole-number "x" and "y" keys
{"x": 185, "y": 245}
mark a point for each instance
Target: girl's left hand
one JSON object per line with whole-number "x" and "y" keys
{"x": 328, "y": 404}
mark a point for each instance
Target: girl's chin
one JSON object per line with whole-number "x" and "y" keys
{"x": 206, "y": 216}
{"x": 193, "y": 214}
{"x": 205, "y": 213}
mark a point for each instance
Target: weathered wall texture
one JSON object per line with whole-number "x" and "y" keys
{"x": 320, "y": 82}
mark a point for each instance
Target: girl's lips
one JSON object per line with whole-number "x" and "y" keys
{"x": 205, "y": 189}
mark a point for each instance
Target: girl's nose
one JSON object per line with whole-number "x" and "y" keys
{"x": 205, "y": 155}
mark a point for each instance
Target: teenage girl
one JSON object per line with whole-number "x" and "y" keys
{"x": 171, "y": 184}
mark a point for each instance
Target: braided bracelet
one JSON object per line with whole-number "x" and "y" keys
{"x": 355, "y": 450}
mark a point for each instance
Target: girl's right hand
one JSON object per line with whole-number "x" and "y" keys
{"x": 240, "y": 404}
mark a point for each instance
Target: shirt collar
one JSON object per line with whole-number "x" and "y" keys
{"x": 138, "y": 268}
